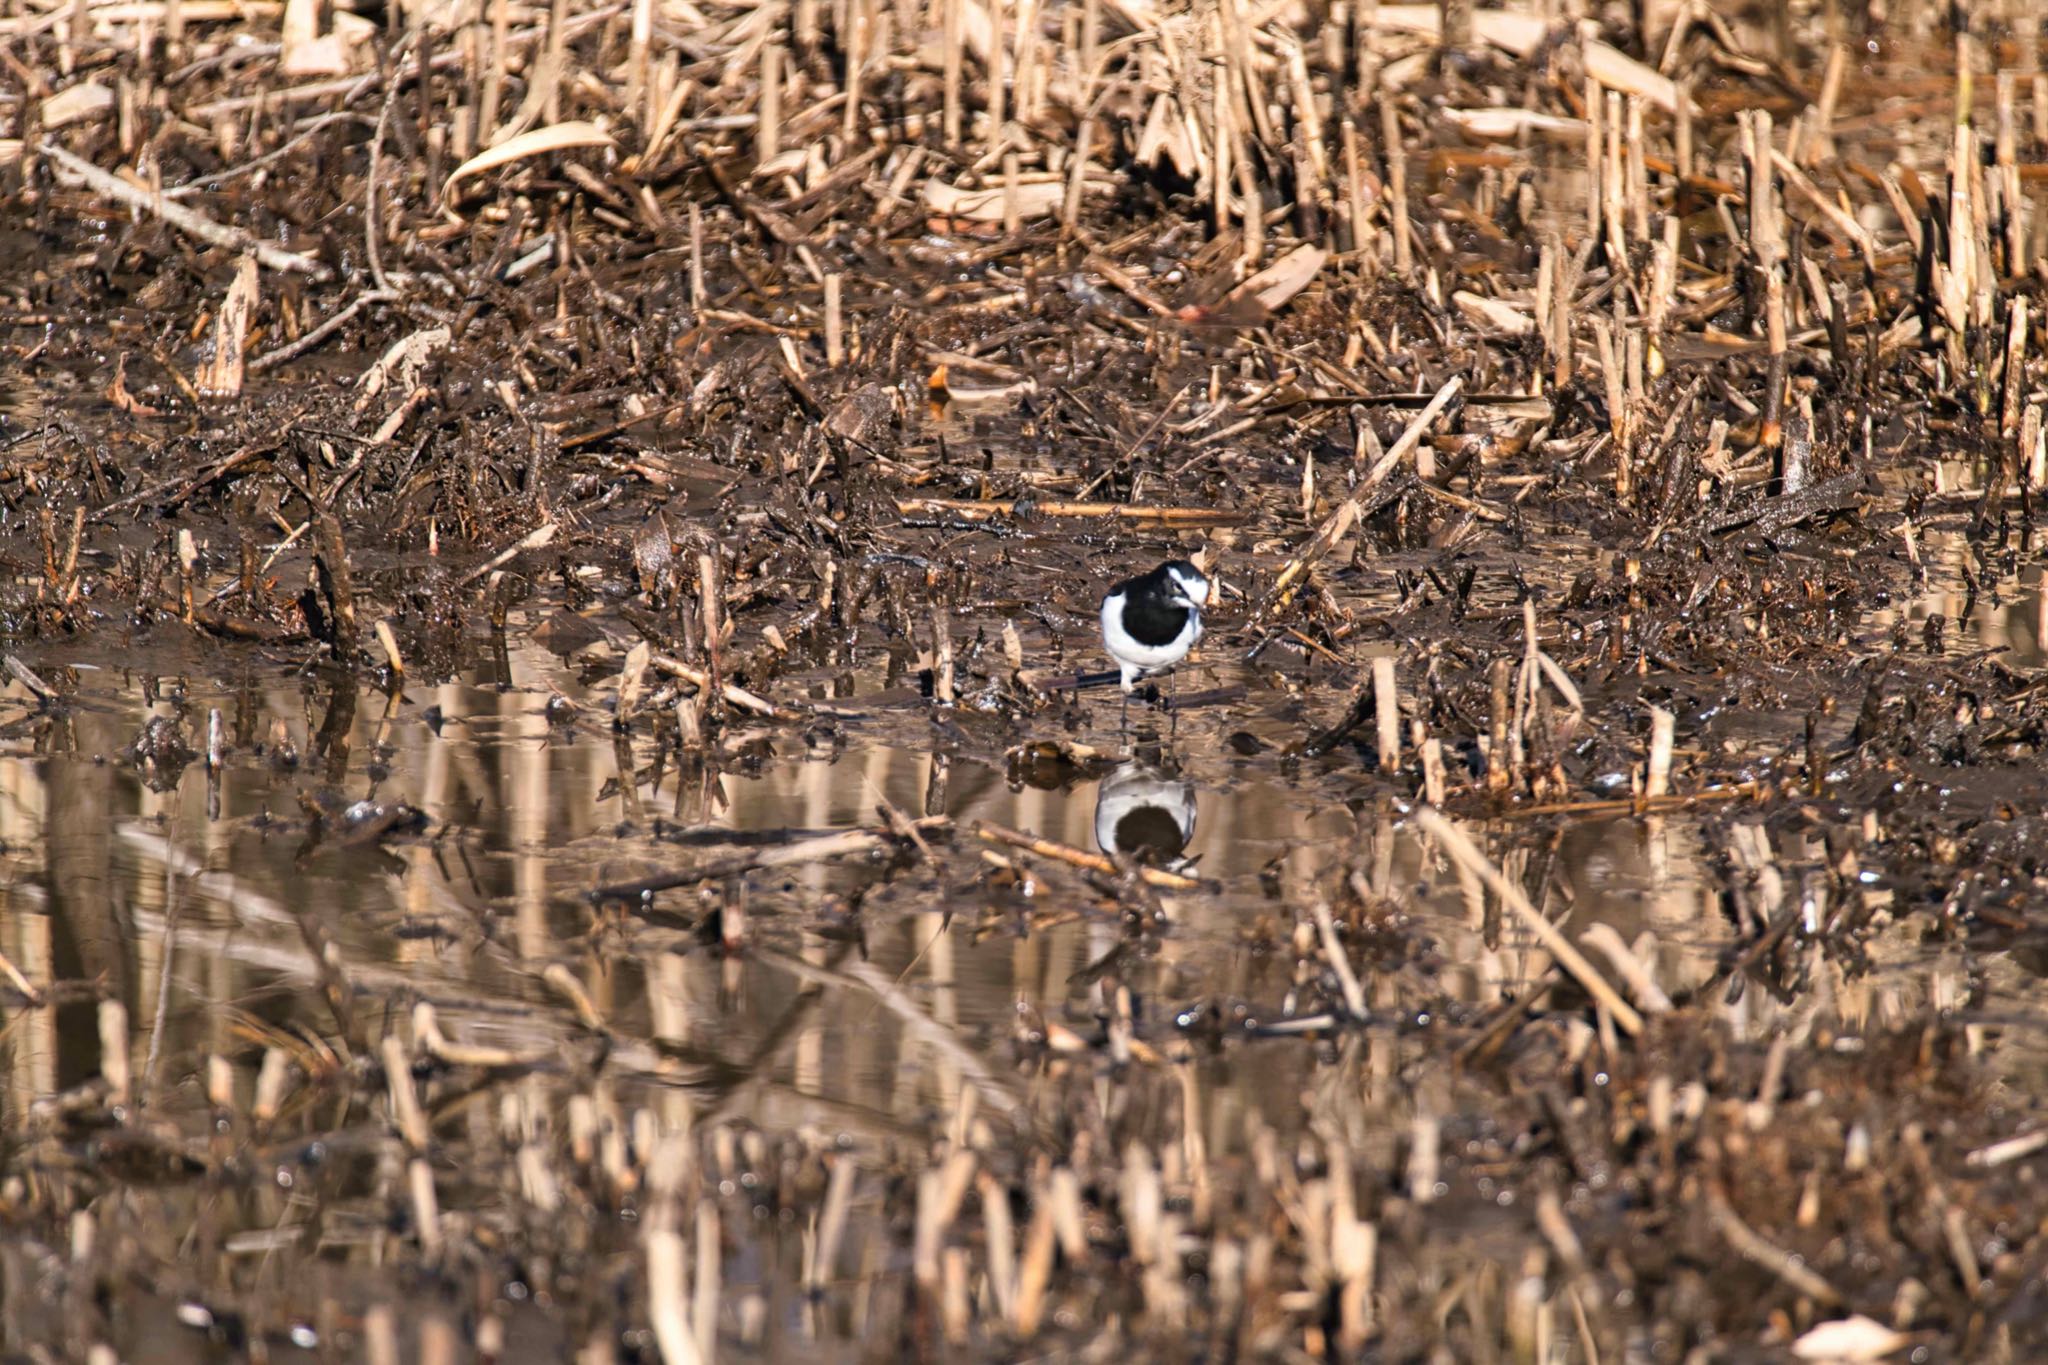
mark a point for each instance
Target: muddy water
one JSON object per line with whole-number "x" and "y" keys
{"x": 196, "y": 902}
{"x": 118, "y": 874}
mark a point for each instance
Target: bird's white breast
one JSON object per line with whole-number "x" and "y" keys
{"x": 1126, "y": 649}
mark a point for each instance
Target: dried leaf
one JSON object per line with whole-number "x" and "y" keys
{"x": 1522, "y": 34}
{"x": 1505, "y": 125}
{"x": 324, "y": 56}
{"x": 87, "y": 99}
{"x": 861, "y": 413}
{"x": 1494, "y": 314}
{"x": 556, "y": 137}
{"x": 221, "y": 375}
{"x": 1283, "y": 279}
{"x": 1166, "y": 134}
{"x": 405, "y": 360}
{"x": 1039, "y": 198}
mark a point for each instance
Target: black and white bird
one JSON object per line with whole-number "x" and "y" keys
{"x": 1150, "y": 622}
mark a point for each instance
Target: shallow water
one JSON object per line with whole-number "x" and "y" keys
{"x": 119, "y": 876}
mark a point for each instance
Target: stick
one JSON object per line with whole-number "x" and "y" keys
{"x": 972, "y": 509}
{"x": 1074, "y": 857}
{"x": 1387, "y": 708}
{"x": 1658, "y": 781}
{"x": 1338, "y": 522}
{"x": 1757, "y": 1251}
{"x": 898, "y": 1002}
{"x": 799, "y": 851}
{"x": 293, "y": 349}
{"x": 188, "y": 221}
{"x": 1462, "y": 851}
{"x": 1333, "y": 949}
{"x": 732, "y": 692}
{"x": 533, "y": 540}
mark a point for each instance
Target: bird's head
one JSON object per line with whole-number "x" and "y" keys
{"x": 1190, "y": 585}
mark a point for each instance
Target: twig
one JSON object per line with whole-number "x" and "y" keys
{"x": 1757, "y": 1251}
{"x": 189, "y": 221}
{"x": 731, "y": 692}
{"x": 813, "y": 850}
{"x": 899, "y": 1003}
{"x": 1340, "y": 521}
{"x": 292, "y": 350}
{"x": 533, "y": 540}
{"x": 973, "y": 509}
{"x": 1075, "y": 857}
{"x": 1462, "y": 850}
{"x": 1333, "y": 949}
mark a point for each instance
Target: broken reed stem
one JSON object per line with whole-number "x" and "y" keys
{"x": 1754, "y": 1249}
{"x": 1013, "y": 213}
{"x": 192, "y": 223}
{"x": 951, "y": 43}
{"x": 710, "y": 1271}
{"x": 697, "y": 295}
{"x": 1596, "y": 156}
{"x": 1354, "y": 187}
{"x": 2015, "y": 372}
{"x": 768, "y": 131}
{"x": 668, "y": 1311}
{"x": 1435, "y": 781}
{"x": 1616, "y": 382}
{"x": 1333, "y": 953}
{"x": 114, "y": 1068}
{"x": 794, "y": 853}
{"x": 731, "y": 693}
{"x": 18, "y": 981}
{"x": 835, "y": 336}
{"x": 942, "y": 651}
{"x": 1657, "y": 781}
{"x": 1339, "y": 522}
{"x": 970, "y": 509}
{"x": 998, "y": 68}
{"x": 859, "y": 32}
{"x": 2011, "y": 197}
{"x": 406, "y": 1115}
{"x": 1036, "y": 1272}
{"x": 1465, "y": 853}
{"x": 426, "y": 1207}
{"x": 712, "y": 618}
{"x": 1077, "y": 171}
{"x": 1074, "y": 857}
{"x": 1387, "y": 708}
{"x": 1499, "y": 770}
{"x": 1397, "y": 186}
{"x": 2031, "y": 451}
{"x": 1613, "y": 191}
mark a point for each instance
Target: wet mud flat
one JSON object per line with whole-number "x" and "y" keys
{"x": 557, "y": 796}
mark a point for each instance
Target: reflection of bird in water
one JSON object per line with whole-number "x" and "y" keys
{"x": 1144, "y": 814}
